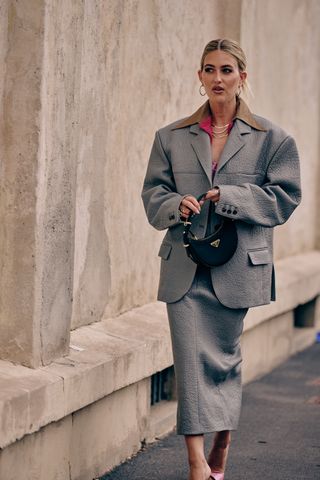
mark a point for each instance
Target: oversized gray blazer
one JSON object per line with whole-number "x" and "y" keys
{"x": 259, "y": 180}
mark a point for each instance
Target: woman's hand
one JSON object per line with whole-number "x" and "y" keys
{"x": 189, "y": 204}
{"x": 213, "y": 195}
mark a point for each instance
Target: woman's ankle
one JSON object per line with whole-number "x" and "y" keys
{"x": 199, "y": 471}
{"x": 222, "y": 439}
{"x": 223, "y": 444}
{"x": 218, "y": 456}
{"x": 197, "y": 461}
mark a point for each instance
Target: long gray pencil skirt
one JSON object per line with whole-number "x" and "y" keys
{"x": 206, "y": 348}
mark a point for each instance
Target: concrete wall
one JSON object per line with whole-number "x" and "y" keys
{"x": 56, "y": 176}
{"x": 284, "y": 68}
{"x": 20, "y": 90}
{"x": 136, "y": 76}
{"x": 84, "y": 85}
{"x": 38, "y": 129}
{"x": 83, "y": 89}
{"x": 139, "y": 86}
{"x": 60, "y": 451}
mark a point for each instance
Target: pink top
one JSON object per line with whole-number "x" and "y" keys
{"x": 205, "y": 125}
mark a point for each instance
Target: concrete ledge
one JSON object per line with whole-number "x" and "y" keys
{"x": 114, "y": 353}
{"x": 162, "y": 419}
{"x": 297, "y": 282}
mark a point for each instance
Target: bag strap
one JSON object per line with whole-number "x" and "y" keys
{"x": 188, "y": 222}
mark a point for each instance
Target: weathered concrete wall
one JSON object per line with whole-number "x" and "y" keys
{"x": 92, "y": 277}
{"x": 284, "y": 68}
{"x": 20, "y": 85}
{"x": 56, "y": 175}
{"x": 39, "y": 128}
{"x": 139, "y": 62}
{"x": 61, "y": 451}
{"x": 84, "y": 86}
{"x": 145, "y": 84}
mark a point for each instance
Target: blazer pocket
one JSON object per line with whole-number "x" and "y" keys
{"x": 165, "y": 250}
{"x": 260, "y": 256}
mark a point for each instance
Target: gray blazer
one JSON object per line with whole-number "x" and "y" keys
{"x": 259, "y": 180}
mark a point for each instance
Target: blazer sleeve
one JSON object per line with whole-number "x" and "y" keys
{"x": 160, "y": 198}
{"x": 273, "y": 202}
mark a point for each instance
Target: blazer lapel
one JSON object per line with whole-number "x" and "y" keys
{"x": 234, "y": 143}
{"x": 200, "y": 142}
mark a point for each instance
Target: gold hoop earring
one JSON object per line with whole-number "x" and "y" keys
{"x": 202, "y": 94}
{"x": 239, "y": 91}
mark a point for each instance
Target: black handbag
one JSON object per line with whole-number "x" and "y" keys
{"x": 215, "y": 249}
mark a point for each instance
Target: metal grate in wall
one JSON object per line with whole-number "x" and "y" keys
{"x": 163, "y": 386}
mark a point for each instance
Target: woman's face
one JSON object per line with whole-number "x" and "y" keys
{"x": 221, "y": 77}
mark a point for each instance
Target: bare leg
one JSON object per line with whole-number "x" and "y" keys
{"x": 199, "y": 468}
{"x": 219, "y": 452}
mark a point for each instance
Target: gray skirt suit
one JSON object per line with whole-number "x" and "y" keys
{"x": 206, "y": 348}
{"x": 259, "y": 181}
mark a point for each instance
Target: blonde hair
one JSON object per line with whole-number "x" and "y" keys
{"x": 233, "y": 48}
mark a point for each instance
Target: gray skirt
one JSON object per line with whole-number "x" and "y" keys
{"x": 206, "y": 348}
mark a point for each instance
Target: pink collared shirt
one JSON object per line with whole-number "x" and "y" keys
{"x": 206, "y": 125}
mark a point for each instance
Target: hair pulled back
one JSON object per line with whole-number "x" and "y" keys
{"x": 229, "y": 46}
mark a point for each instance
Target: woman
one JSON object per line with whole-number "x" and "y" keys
{"x": 249, "y": 170}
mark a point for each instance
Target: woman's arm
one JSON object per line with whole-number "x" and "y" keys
{"x": 160, "y": 199}
{"x": 272, "y": 203}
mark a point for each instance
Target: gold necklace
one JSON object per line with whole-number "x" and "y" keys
{"x": 220, "y": 131}
{"x": 220, "y": 126}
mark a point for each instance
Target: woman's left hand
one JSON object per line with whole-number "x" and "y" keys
{"x": 213, "y": 195}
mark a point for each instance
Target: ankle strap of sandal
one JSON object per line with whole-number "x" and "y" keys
{"x": 216, "y": 475}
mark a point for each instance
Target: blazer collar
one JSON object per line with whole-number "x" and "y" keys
{"x": 242, "y": 113}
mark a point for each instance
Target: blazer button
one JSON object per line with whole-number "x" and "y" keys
{"x": 224, "y": 209}
{"x": 172, "y": 217}
{"x": 229, "y": 211}
{"x": 235, "y": 212}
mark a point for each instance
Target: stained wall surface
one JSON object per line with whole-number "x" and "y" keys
{"x": 284, "y": 66}
{"x": 84, "y": 86}
{"x": 139, "y": 64}
{"x": 21, "y": 42}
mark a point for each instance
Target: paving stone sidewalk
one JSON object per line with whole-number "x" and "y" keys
{"x": 278, "y": 436}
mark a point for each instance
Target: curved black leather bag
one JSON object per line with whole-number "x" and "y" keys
{"x": 215, "y": 249}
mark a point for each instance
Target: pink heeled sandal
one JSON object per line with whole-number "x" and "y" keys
{"x": 217, "y": 475}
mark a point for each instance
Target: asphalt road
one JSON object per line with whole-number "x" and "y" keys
{"x": 278, "y": 437}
